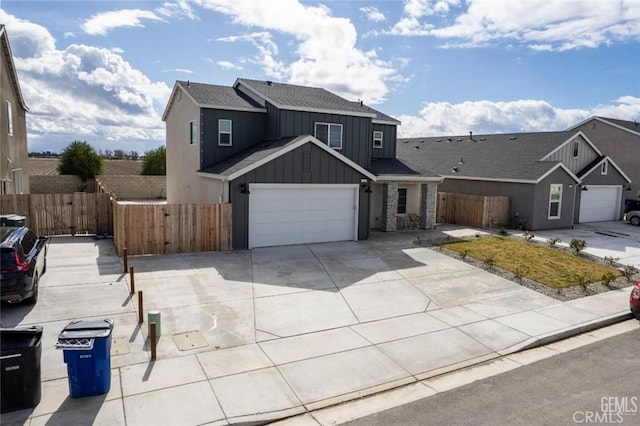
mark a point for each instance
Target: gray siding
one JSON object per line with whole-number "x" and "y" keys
{"x": 613, "y": 177}
{"x": 356, "y": 131}
{"x": 541, "y": 202}
{"x": 622, "y": 146}
{"x": 248, "y": 128}
{"x": 389, "y": 139}
{"x": 521, "y": 196}
{"x": 306, "y": 164}
{"x": 586, "y": 155}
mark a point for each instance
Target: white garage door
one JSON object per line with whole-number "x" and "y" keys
{"x": 281, "y": 214}
{"x": 600, "y": 203}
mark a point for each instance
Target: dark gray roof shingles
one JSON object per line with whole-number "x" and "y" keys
{"x": 290, "y": 95}
{"x": 222, "y": 96}
{"x": 634, "y": 126}
{"x": 249, "y": 156}
{"x": 395, "y": 167}
{"x": 514, "y": 156}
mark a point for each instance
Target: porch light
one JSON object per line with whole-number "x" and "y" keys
{"x": 627, "y": 188}
{"x": 244, "y": 189}
{"x": 584, "y": 188}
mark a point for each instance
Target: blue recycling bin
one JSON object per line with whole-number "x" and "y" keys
{"x": 86, "y": 347}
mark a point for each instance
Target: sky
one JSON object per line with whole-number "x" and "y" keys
{"x": 102, "y": 71}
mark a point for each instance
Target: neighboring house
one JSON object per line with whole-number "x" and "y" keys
{"x": 14, "y": 178}
{"x": 553, "y": 179}
{"x": 620, "y": 139}
{"x": 299, "y": 164}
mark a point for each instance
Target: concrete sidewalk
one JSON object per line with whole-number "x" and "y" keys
{"x": 255, "y": 336}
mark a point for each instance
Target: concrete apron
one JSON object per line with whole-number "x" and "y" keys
{"x": 254, "y": 336}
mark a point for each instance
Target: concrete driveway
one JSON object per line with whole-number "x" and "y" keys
{"x": 251, "y": 336}
{"x": 619, "y": 240}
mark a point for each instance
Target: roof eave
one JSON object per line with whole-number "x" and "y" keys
{"x": 4, "y": 40}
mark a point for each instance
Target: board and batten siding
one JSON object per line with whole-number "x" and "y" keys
{"x": 586, "y": 155}
{"x": 307, "y": 164}
{"x": 389, "y": 138}
{"x": 247, "y": 129}
{"x": 357, "y": 135}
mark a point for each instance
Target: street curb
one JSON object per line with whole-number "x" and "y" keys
{"x": 570, "y": 332}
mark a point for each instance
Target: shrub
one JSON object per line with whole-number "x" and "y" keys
{"x": 528, "y": 236}
{"x": 504, "y": 232}
{"x": 490, "y": 262}
{"x": 464, "y": 254}
{"x": 578, "y": 245}
{"x": 553, "y": 241}
{"x": 80, "y": 159}
{"x": 607, "y": 278}
{"x": 611, "y": 260}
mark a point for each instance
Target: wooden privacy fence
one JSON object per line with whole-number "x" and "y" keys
{"x": 472, "y": 210}
{"x": 59, "y": 214}
{"x": 171, "y": 228}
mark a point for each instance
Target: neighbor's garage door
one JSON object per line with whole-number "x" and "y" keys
{"x": 600, "y": 203}
{"x": 281, "y": 214}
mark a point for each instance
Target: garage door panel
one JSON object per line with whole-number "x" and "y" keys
{"x": 599, "y": 204}
{"x": 299, "y": 214}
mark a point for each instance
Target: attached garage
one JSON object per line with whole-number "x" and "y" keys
{"x": 281, "y": 214}
{"x": 600, "y": 203}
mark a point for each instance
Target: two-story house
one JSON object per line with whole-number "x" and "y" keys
{"x": 14, "y": 177}
{"x": 620, "y": 139}
{"x": 553, "y": 179}
{"x": 298, "y": 164}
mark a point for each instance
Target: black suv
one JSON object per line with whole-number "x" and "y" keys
{"x": 24, "y": 260}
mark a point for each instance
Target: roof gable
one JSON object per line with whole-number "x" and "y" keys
{"x": 13, "y": 76}
{"x": 569, "y": 140}
{"x": 628, "y": 126}
{"x": 258, "y": 155}
{"x": 596, "y": 165}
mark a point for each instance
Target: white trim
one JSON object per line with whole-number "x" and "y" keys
{"x": 380, "y": 139}
{"x": 547, "y": 173}
{"x": 559, "y": 201}
{"x": 240, "y": 82}
{"x": 211, "y": 176}
{"x": 231, "y": 108}
{"x": 604, "y": 120}
{"x": 354, "y": 186}
{"x": 230, "y": 132}
{"x": 575, "y": 135}
{"x": 9, "y": 118}
{"x": 315, "y": 132}
{"x": 610, "y": 161}
{"x": 301, "y": 141}
{"x": 409, "y": 178}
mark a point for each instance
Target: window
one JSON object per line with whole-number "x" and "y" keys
{"x": 377, "y": 139}
{"x": 555, "y": 201}
{"x": 9, "y": 118}
{"x": 194, "y": 133}
{"x": 402, "y": 200}
{"x": 331, "y": 134}
{"x": 604, "y": 168}
{"x": 17, "y": 181}
{"x": 224, "y": 132}
{"x": 576, "y": 147}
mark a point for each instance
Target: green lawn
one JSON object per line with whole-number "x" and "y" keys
{"x": 545, "y": 265}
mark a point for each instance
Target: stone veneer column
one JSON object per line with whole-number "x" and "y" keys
{"x": 428, "y": 196}
{"x": 389, "y": 206}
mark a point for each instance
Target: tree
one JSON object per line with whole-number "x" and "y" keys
{"x": 155, "y": 162}
{"x": 133, "y": 155}
{"x": 80, "y": 159}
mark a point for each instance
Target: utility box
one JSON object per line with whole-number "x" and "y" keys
{"x": 86, "y": 347}
{"x": 20, "y": 351}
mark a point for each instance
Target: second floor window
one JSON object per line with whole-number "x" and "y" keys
{"x": 224, "y": 132}
{"x": 377, "y": 139}
{"x": 576, "y": 147}
{"x": 194, "y": 133}
{"x": 9, "y": 118}
{"x": 604, "y": 168}
{"x": 331, "y": 134}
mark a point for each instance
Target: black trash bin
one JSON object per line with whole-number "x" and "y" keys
{"x": 20, "y": 351}
{"x": 86, "y": 349}
{"x": 630, "y": 204}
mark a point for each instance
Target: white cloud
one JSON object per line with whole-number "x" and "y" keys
{"x": 83, "y": 92}
{"x": 182, "y": 70}
{"x": 177, "y": 9}
{"x": 325, "y": 47}
{"x": 226, "y": 65}
{"x": 542, "y": 24}
{"x": 373, "y": 14}
{"x": 443, "y": 118}
{"x": 102, "y": 23}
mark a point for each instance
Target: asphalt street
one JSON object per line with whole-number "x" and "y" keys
{"x": 594, "y": 384}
